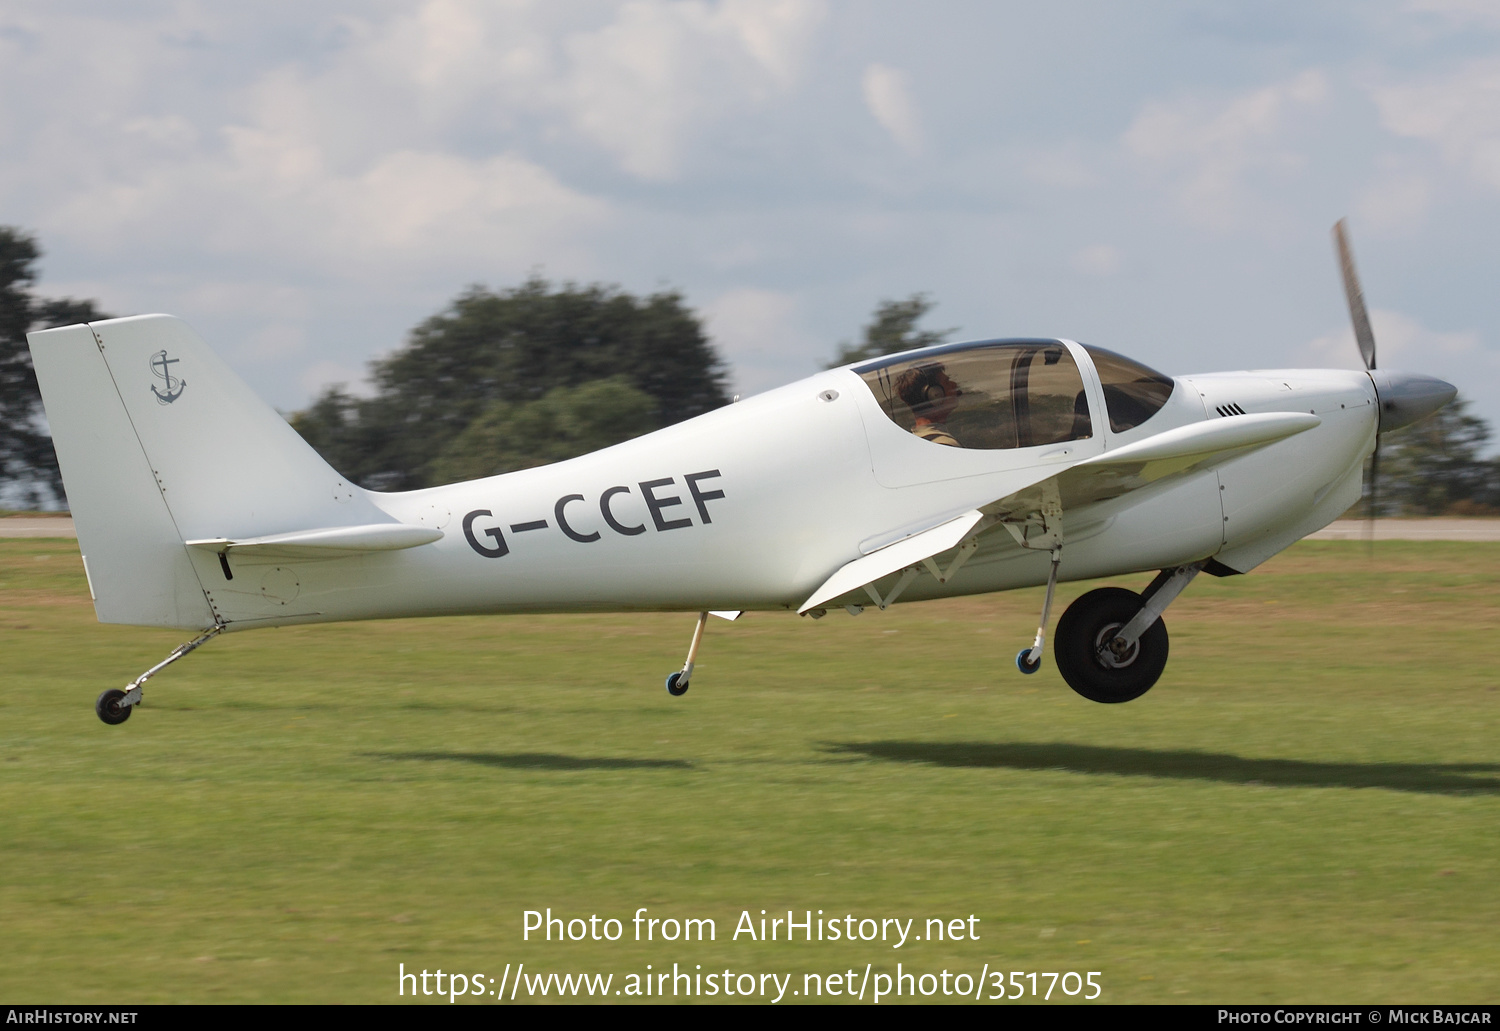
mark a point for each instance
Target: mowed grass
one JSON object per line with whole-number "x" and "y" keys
{"x": 1305, "y": 809}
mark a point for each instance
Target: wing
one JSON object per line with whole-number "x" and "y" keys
{"x": 1176, "y": 452}
{"x": 1187, "y": 449}
{"x": 905, "y": 552}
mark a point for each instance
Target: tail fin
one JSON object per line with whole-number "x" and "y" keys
{"x": 160, "y": 443}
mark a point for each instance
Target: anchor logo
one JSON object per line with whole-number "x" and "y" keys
{"x": 160, "y": 366}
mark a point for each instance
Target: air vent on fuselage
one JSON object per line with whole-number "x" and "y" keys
{"x": 1227, "y": 410}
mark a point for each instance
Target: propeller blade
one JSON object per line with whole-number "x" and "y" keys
{"x": 1370, "y": 512}
{"x": 1363, "y": 334}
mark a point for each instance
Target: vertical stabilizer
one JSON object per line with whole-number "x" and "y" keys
{"x": 160, "y": 443}
{"x": 228, "y": 463}
{"x": 138, "y": 570}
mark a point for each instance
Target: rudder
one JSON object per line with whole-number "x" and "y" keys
{"x": 138, "y": 570}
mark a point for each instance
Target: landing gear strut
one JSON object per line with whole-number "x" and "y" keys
{"x": 677, "y": 683}
{"x": 1029, "y": 660}
{"x": 114, "y": 705}
{"x": 1112, "y": 644}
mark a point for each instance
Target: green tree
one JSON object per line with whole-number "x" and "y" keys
{"x": 515, "y": 347}
{"x": 28, "y": 465}
{"x": 1434, "y": 467}
{"x": 894, "y": 328}
{"x": 563, "y": 423}
{"x": 346, "y": 431}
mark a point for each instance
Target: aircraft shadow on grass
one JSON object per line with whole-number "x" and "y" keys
{"x": 1429, "y": 778}
{"x": 535, "y": 760}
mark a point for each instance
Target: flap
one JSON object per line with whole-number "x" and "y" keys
{"x": 905, "y": 552}
{"x": 327, "y": 542}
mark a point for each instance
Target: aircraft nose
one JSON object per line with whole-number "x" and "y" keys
{"x": 1406, "y": 397}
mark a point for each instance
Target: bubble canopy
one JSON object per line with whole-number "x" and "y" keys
{"x": 988, "y": 395}
{"x": 999, "y": 394}
{"x": 1133, "y": 393}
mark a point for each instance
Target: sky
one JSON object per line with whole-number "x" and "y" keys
{"x": 304, "y": 182}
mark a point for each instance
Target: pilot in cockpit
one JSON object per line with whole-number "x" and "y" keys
{"x": 932, "y": 398}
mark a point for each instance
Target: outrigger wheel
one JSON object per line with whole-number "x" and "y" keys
{"x": 109, "y": 708}
{"x": 672, "y": 685}
{"x": 1086, "y": 660}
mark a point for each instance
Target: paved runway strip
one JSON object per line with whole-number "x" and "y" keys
{"x": 1438, "y": 529}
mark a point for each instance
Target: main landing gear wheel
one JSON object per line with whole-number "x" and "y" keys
{"x": 672, "y": 685}
{"x": 1086, "y": 660}
{"x": 109, "y": 708}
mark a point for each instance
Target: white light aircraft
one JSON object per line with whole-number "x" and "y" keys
{"x": 957, "y": 469}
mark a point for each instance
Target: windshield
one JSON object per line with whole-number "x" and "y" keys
{"x": 1132, "y": 392}
{"x": 989, "y": 396}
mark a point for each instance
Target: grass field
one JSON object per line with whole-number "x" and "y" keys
{"x": 1305, "y": 809}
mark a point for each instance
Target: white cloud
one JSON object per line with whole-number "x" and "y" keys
{"x": 171, "y": 133}
{"x": 1457, "y": 112}
{"x": 637, "y": 79}
{"x": 422, "y": 200}
{"x": 777, "y": 33}
{"x": 273, "y": 299}
{"x": 346, "y": 168}
{"x": 761, "y": 334}
{"x": 1098, "y": 259}
{"x": 888, "y": 97}
{"x": 1398, "y": 199}
{"x": 1460, "y": 13}
{"x": 640, "y": 80}
{"x": 319, "y": 376}
{"x": 1214, "y": 155}
{"x": 1400, "y": 342}
{"x": 638, "y": 86}
{"x": 269, "y": 193}
{"x": 275, "y": 341}
{"x": 1061, "y": 167}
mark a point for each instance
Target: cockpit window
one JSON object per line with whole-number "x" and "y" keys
{"x": 987, "y": 396}
{"x": 1132, "y": 392}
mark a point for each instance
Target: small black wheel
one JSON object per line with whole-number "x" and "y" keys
{"x": 1085, "y": 659}
{"x": 1023, "y": 665}
{"x": 109, "y": 708}
{"x": 672, "y": 682}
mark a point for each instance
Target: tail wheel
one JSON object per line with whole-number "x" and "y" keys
{"x": 1085, "y": 659}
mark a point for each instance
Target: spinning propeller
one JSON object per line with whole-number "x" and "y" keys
{"x": 1401, "y": 397}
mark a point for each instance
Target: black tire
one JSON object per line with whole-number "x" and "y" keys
{"x": 672, "y": 688}
{"x": 1023, "y": 665}
{"x": 109, "y": 708}
{"x": 1091, "y": 621}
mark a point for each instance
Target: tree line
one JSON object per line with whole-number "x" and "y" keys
{"x": 28, "y": 465}
{"x": 508, "y": 379}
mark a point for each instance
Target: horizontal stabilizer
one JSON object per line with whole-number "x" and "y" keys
{"x": 905, "y": 552}
{"x": 328, "y": 542}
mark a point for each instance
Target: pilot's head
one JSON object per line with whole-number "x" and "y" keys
{"x": 928, "y": 391}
